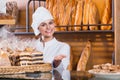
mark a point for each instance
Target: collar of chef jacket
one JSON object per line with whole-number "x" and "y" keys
{"x": 48, "y": 43}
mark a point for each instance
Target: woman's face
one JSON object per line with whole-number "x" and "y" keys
{"x": 47, "y": 28}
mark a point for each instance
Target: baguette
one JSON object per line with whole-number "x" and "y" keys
{"x": 110, "y": 22}
{"x": 106, "y": 14}
{"x": 60, "y": 12}
{"x": 93, "y": 16}
{"x": 86, "y": 14}
{"x": 50, "y": 4}
{"x": 81, "y": 66}
{"x": 73, "y": 13}
{"x": 55, "y": 15}
{"x": 67, "y": 13}
{"x": 79, "y": 15}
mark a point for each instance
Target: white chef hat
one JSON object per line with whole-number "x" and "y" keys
{"x": 40, "y": 15}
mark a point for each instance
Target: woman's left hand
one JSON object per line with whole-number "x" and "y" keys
{"x": 57, "y": 60}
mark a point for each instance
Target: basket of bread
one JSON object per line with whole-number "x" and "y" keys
{"x": 20, "y": 56}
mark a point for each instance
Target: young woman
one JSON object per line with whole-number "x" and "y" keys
{"x": 55, "y": 52}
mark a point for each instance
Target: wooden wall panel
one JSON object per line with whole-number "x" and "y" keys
{"x": 102, "y": 46}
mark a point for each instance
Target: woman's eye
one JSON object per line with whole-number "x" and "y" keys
{"x": 51, "y": 22}
{"x": 43, "y": 25}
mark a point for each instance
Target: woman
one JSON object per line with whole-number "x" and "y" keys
{"x": 54, "y": 51}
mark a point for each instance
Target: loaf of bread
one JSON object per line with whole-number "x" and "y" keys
{"x": 106, "y": 14}
{"x": 49, "y": 5}
{"x": 67, "y": 13}
{"x": 86, "y": 14}
{"x": 93, "y": 16}
{"x": 61, "y": 12}
{"x": 110, "y": 22}
{"x": 79, "y": 15}
{"x": 81, "y": 66}
{"x": 55, "y": 14}
{"x": 73, "y": 13}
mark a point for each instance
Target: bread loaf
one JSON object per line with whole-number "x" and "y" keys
{"x": 106, "y": 14}
{"x": 81, "y": 66}
{"x": 60, "y": 12}
{"x": 67, "y": 13}
{"x": 86, "y": 14}
{"x": 110, "y": 22}
{"x": 73, "y": 13}
{"x": 93, "y": 16}
{"x": 79, "y": 15}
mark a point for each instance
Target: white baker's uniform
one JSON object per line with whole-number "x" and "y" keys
{"x": 53, "y": 48}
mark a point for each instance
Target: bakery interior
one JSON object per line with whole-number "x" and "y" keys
{"x": 104, "y": 42}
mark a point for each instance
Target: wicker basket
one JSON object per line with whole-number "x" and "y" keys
{"x": 46, "y": 67}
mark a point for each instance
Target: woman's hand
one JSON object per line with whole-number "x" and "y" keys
{"x": 57, "y": 60}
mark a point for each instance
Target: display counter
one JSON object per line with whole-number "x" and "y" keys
{"x": 56, "y": 75}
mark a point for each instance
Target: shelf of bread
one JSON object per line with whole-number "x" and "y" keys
{"x": 86, "y": 14}
{"x": 6, "y": 19}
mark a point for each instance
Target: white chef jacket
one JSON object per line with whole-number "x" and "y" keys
{"x": 53, "y": 48}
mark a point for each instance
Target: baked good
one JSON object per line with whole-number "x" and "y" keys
{"x": 81, "y": 66}
{"x": 37, "y": 58}
{"x": 79, "y": 15}
{"x": 73, "y": 13}
{"x": 30, "y": 58}
{"x": 106, "y": 14}
{"x": 86, "y": 14}
{"x": 93, "y": 16}
{"x": 67, "y": 13}
{"x": 110, "y": 22}
{"x": 25, "y": 58}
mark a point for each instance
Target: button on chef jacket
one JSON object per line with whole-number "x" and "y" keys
{"x": 53, "y": 48}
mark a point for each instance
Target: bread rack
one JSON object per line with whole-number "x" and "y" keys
{"x": 27, "y": 28}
